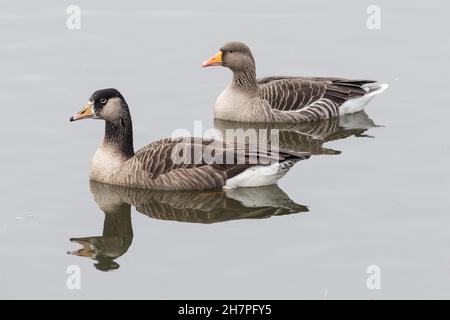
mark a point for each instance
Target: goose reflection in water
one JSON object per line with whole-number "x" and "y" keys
{"x": 184, "y": 206}
{"x": 301, "y": 137}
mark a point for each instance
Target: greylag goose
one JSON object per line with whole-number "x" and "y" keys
{"x": 178, "y": 163}
{"x": 284, "y": 99}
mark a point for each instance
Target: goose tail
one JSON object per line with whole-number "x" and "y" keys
{"x": 375, "y": 88}
{"x": 358, "y": 104}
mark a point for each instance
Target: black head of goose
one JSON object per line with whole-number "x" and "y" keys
{"x": 284, "y": 99}
{"x": 185, "y": 163}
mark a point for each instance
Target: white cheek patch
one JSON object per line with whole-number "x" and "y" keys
{"x": 112, "y": 109}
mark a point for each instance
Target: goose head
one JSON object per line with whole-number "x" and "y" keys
{"x": 107, "y": 104}
{"x": 233, "y": 55}
{"x": 110, "y": 106}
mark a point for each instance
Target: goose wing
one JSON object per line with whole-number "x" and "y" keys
{"x": 198, "y": 163}
{"x": 296, "y": 93}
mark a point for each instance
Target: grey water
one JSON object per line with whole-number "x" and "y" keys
{"x": 374, "y": 193}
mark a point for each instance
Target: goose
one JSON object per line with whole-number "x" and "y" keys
{"x": 184, "y": 163}
{"x": 284, "y": 99}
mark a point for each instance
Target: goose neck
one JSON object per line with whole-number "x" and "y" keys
{"x": 119, "y": 136}
{"x": 245, "y": 79}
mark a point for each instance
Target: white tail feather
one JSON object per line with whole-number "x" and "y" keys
{"x": 358, "y": 104}
{"x": 262, "y": 175}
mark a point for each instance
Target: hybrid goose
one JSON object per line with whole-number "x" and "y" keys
{"x": 284, "y": 99}
{"x": 179, "y": 163}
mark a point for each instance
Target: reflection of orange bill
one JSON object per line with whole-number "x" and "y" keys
{"x": 88, "y": 249}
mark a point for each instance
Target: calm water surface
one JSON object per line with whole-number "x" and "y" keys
{"x": 376, "y": 191}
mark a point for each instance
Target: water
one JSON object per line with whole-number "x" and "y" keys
{"x": 371, "y": 195}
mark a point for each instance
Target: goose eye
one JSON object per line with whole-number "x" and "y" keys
{"x": 103, "y": 100}
{"x": 230, "y": 51}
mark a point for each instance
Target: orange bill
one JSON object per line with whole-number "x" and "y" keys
{"x": 214, "y": 61}
{"x": 85, "y": 113}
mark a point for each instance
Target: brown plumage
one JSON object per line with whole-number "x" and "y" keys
{"x": 174, "y": 164}
{"x": 158, "y": 170}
